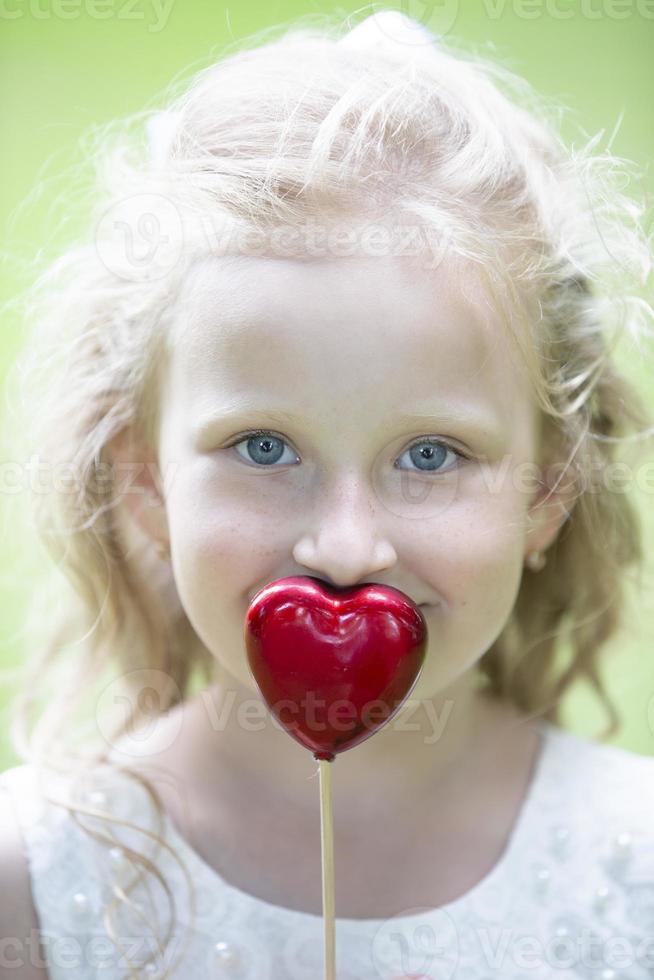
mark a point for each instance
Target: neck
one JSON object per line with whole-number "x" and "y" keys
{"x": 428, "y": 747}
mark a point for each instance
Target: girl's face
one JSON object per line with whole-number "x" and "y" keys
{"x": 396, "y": 425}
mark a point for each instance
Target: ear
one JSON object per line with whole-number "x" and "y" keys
{"x": 139, "y": 484}
{"x": 550, "y": 507}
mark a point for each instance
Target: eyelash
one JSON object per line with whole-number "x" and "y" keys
{"x": 246, "y": 436}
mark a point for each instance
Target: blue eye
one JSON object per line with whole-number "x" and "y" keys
{"x": 431, "y": 453}
{"x": 266, "y": 448}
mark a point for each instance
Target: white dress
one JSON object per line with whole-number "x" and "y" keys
{"x": 572, "y": 896}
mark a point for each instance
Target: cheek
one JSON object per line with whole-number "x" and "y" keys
{"x": 215, "y": 527}
{"x": 213, "y": 567}
{"x": 215, "y": 555}
{"x": 221, "y": 546}
{"x": 476, "y": 567}
{"x": 475, "y": 553}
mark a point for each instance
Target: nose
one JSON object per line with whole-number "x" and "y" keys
{"x": 345, "y": 546}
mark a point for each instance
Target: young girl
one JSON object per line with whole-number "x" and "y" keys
{"x": 353, "y": 316}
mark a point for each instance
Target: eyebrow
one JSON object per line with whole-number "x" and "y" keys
{"x": 482, "y": 419}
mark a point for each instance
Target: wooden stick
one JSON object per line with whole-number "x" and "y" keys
{"x": 327, "y": 844}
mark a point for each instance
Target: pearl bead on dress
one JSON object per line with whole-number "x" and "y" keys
{"x": 542, "y": 878}
{"x": 620, "y": 854}
{"x": 80, "y": 905}
{"x": 622, "y": 846}
{"x": 560, "y": 845}
{"x": 97, "y": 798}
{"x": 602, "y": 899}
{"x": 118, "y": 859}
{"x": 227, "y": 957}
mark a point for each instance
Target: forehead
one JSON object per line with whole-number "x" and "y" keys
{"x": 338, "y": 330}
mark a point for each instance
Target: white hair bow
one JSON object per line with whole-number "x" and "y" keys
{"x": 160, "y": 129}
{"x": 389, "y": 26}
{"x": 378, "y": 30}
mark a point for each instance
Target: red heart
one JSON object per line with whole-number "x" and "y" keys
{"x": 312, "y": 648}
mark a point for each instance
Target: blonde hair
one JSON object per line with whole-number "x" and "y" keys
{"x": 302, "y": 127}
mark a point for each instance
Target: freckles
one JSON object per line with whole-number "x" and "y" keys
{"x": 474, "y": 564}
{"x": 495, "y": 525}
{"x": 237, "y": 544}
{"x": 206, "y": 543}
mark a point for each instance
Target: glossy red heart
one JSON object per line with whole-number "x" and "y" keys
{"x": 333, "y": 665}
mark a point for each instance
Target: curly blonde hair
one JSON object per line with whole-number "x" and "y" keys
{"x": 296, "y": 127}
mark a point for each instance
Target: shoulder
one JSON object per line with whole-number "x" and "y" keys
{"x": 598, "y": 767}
{"x": 606, "y": 793}
{"x": 19, "y": 926}
{"x": 624, "y": 781}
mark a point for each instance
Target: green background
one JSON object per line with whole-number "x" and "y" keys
{"x": 69, "y": 66}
